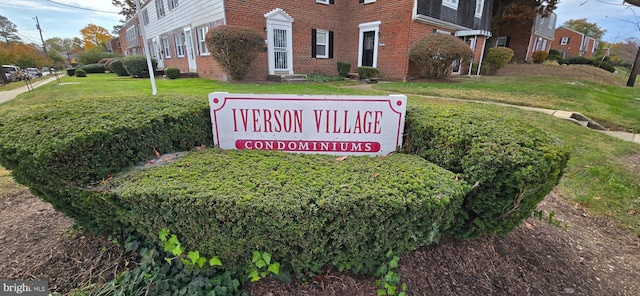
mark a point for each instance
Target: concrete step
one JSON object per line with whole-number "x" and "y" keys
{"x": 289, "y": 78}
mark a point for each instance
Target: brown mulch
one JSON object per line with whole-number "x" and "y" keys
{"x": 578, "y": 72}
{"x": 591, "y": 257}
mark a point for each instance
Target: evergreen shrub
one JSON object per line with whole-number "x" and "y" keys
{"x": 605, "y": 65}
{"x": 137, "y": 67}
{"x": 435, "y": 54}
{"x": 234, "y": 48}
{"x": 172, "y": 72}
{"x": 366, "y": 72}
{"x": 344, "y": 68}
{"x": 71, "y": 71}
{"x": 511, "y": 164}
{"x": 579, "y": 60}
{"x": 93, "y": 68}
{"x": 80, "y": 73}
{"x": 540, "y": 56}
{"x": 85, "y": 141}
{"x": 307, "y": 211}
{"x": 497, "y": 57}
{"x": 117, "y": 67}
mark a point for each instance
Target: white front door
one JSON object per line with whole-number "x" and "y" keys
{"x": 279, "y": 49}
{"x": 368, "y": 45}
{"x": 157, "y": 52}
{"x": 191, "y": 56}
{"x": 279, "y": 42}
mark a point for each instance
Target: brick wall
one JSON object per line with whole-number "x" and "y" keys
{"x": 572, "y": 49}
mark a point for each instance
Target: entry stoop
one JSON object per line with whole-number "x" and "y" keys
{"x": 288, "y": 78}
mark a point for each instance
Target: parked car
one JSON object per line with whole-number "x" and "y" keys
{"x": 33, "y": 72}
{"x": 12, "y": 72}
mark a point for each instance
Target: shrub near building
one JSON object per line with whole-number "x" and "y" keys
{"x": 436, "y": 53}
{"x": 234, "y": 48}
{"x": 137, "y": 66}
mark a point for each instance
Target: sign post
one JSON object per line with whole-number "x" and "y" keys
{"x": 336, "y": 125}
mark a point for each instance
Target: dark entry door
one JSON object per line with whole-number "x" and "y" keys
{"x": 368, "y": 42}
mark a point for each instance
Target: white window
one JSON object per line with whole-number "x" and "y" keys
{"x": 368, "y": 1}
{"x": 564, "y": 41}
{"x": 167, "y": 47}
{"x": 323, "y": 1}
{"x": 322, "y": 44}
{"x": 172, "y": 4}
{"x": 160, "y": 8}
{"x": 202, "y": 45}
{"x": 450, "y": 3}
{"x": 179, "y": 46}
{"x": 479, "y": 8}
{"x": 145, "y": 17}
{"x": 544, "y": 44}
{"x": 501, "y": 41}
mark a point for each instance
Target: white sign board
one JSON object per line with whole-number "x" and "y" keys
{"x": 337, "y": 125}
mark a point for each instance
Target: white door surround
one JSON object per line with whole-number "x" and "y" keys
{"x": 368, "y": 44}
{"x": 188, "y": 44}
{"x": 279, "y": 42}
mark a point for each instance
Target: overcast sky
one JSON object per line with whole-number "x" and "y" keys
{"x": 62, "y": 21}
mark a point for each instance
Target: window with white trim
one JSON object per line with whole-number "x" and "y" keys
{"x": 501, "y": 41}
{"x": 450, "y": 3}
{"x": 167, "y": 47}
{"x": 479, "y": 8}
{"x": 202, "y": 45}
{"x": 159, "y": 8}
{"x": 564, "y": 41}
{"x": 179, "y": 46}
{"x": 367, "y": 1}
{"x": 172, "y": 4}
{"x": 322, "y": 44}
{"x": 145, "y": 17}
{"x": 323, "y": 1}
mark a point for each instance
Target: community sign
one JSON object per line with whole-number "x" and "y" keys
{"x": 337, "y": 125}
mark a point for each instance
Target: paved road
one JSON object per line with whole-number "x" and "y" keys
{"x": 8, "y": 95}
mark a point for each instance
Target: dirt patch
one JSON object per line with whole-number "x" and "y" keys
{"x": 633, "y": 162}
{"x": 591, "y": 257}
{"x": 578, "y": 72}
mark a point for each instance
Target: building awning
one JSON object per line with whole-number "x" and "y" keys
{"x": 473, "y": 33}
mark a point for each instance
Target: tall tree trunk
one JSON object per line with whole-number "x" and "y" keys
{"x": 635, "y": 70}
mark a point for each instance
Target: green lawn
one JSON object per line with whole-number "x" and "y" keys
{"x": 605, "y": 104}
{"x": 598, "y": 177}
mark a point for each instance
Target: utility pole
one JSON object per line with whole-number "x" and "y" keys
{"x": 44, "y": 45}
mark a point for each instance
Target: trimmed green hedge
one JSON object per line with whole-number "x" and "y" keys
{"x": 512, "y": 164}
{"x": 117, "y": 67}
{"x": 307, "y": 211}
{"x": 136, "y": 66}
{"x": 58, "y": 149}
{"x": 93, "y": 68}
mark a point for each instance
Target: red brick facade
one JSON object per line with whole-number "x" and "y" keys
{"x": 571, "y": 43}
{"x": 396, "y": 32}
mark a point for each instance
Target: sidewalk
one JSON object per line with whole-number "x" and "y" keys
{"x": 12, "y": 94}
{"x": 574, "y": 117}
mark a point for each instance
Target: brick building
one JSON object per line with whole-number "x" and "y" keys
{"x": 572, "y": 43}
{"x": 131, "y": 42}
{"x": 311, "y": 36}
{"x": 114, "y": 45}
{"x": 525, "y": 38}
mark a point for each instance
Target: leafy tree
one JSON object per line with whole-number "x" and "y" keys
{"x": 94, "y": 35}
{"x": 8, "y": 30}
{"x": 60, "y": 44}
{"x": 517, "y": 12}
{"x": 127, "y": 7}
{"x": 234, "y": 48}
{"x": 56, "y": 57}
{"x": 624, "y": 51}
{"x": 589, "y": 29}
{"x": 22, "y": 55}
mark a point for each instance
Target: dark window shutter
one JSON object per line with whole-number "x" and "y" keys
{"x": 361, "y": 1}
{"x": 568, "y": 39}
{"x": 507, "y": 43}
{"x": 330, "y": 1}
{"x": 331, "y": 44}
{"x": 313, "y": 43}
